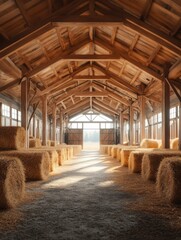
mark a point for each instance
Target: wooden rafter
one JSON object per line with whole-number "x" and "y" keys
{"x": 24, "y": 13}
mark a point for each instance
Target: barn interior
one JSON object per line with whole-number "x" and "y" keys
{"x": 90, "y": 108}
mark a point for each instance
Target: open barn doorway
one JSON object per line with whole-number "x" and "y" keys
{"x": 91, "y": 136}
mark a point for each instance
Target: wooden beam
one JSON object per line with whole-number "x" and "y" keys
{"x": 95, "y": 21}
{"x": 113, "y": 95}
{"x": 126, "y": 56}
{"x": 76, "y": 106}
{"x": 147, "y": 9}
{"x": 54, "y": 119}
{"x": 61, "y": 128}
{"x": 144, "y": 29}
{"x": 44, "y": 120}
{"x": 165, "y": 115}
{"x": 125, "y": 85}
{"x": 85, "y": 77}
{"x": 53, "y": 61}
{"x": 9, "y": 68}
{"x": 131, "y": 121}
{"x": 24, "y": 13}
{"x": 104, "y": 106}
{"x": 91, "y": 94}
{"x": 121, "y": 127}
{"x": 179, "y": 145}
{"x": 142, "y": 117}
{"x": 91, "y": 57}
{"x": 24, "y": 109}
{"x": 10, "y": 85}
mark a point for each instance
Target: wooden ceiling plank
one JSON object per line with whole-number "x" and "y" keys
{"x": 153, "y": 55}
{"x": 85, "y": 77}
{"x": 145, "y": 29}
{"x": 9, "y": 68}
{"x": 57, "y": 59}
{"x": 24, "y": 13}
{"x": 125, "y": 85}
{"x": 129, "y": 59}
{"x": 147, "y": 8}
{"x": 91, "y": 94}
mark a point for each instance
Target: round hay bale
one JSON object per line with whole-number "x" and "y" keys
{"x": 174, "y": 143}
{"x": 114, "y": 152}
{"x": 125, "y": 156}
{"x": 12, "y": 182}
{"x": 168, "y": 182}
{"x": 35, "y": 163}
{"x": 149, "y": 143}
{"x": 35, "y": 143}
{"x": 12, "y": 138}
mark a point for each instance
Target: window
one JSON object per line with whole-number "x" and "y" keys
{"x": 14, "y": 113}
{"x": 5, "y": 110}
{"x": 173, "y": 112}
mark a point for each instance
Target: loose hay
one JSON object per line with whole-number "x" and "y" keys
{"x": 12, "y": 182}
{"x": 151, "y": 162}
{"x": 168, "y": 182}
{"x": 149, "y": 143}
{"x": 174, "y": 143}
{"x": 12, "y": 138}
{"x": 35, "y": 143}
{"x": 36, "y": 163}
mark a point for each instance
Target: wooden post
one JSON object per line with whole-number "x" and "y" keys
{"x": 165, "y": 114}
{"x": 34, "y": 126}
{"x": 54, "y": 115}
{"x": 121, "y": 126}
{"x": 44, "y": 120}
{"x": 142, "y": 118}
{"x": 61, "y": 127}
{"x": 24, "y": 108}
{"x": 179, "y": 135}
{"x": 131, "y": 121}
{"x": 0, "y": 113}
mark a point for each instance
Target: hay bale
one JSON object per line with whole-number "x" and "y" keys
{"x": 114, "y": 152}
{"x": 168, "y": 182}
{"x": 174, "y": 143}
{"x": 35, "y": 143}
{"x": 109, "y": 149}
{"x": 135, "y": 159}
{"x": 149, "y": 143}
{"x": 35, "y": 163}
{"x": 151, "y": 162}
{"x": 12, "y": 138}
{"x": 125, "y": 152}
{"x": 12, "y": 182}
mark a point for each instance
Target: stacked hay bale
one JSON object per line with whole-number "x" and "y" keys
{"x": 151, "y": 162}
{"x": 34, "y": 143}
{"x": 35, "y": 163}
{"x": 114, "y": 151}
{"x": 12, "y": 182}
{"x": 149, "y": 143}
{"x": 124, "y": 155}
{"x": 109, "y": 149}
{"x": 12, "y": 138}
{"x": 174, "y": 143}
{"x": 168, "y": 182}
{"x": 135, "y": 159}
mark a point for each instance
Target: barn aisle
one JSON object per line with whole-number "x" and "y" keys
{"x": 91, "y": 197}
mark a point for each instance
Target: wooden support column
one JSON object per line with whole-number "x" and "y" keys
{"x": 165, "y": 114}
{"x": 61, "y": 127}
{"x": 54, "y": 115}
{"x": 0, "y": 113}
{"x": 24, "y": 108}
{"x": 121, "y": 127}
{"x": 179, "y": 135}
{"x": 142, "y": 117}
{"x": 44, "y": 120}
{"x": 34, "y": 126}
{"x": 131, "y": 121}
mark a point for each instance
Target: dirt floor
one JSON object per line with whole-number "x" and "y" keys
{"x": 92, "y": 197}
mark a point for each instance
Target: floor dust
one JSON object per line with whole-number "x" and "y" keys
{"x": 92, "y": 197}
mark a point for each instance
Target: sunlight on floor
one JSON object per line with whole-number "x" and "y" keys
{"x": 91, "y": 169}
{"x": 63, "y": 182}
{"x": 106, "y": 183}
